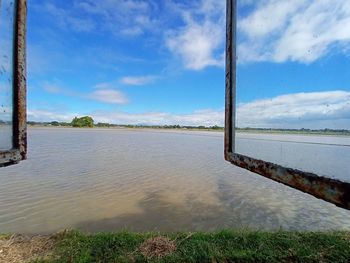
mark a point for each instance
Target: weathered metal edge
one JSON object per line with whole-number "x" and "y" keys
{"x": 230, "y": 77}
{"x": 19, "y": 151}
{"x": 20, "y": 116}
{"x": 330, "y": 190}
{"x": 9, "y": 157}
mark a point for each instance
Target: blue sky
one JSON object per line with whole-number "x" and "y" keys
{"x": 162, "y": 62}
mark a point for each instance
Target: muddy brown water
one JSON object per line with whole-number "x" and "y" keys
{"x": 110, "y": 179}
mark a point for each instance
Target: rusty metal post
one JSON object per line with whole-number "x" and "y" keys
{"x": 230, "y": 77}
{"x": 20, "y": 89}
{"x": 19, "y": 150}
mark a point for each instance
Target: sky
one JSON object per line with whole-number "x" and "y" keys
{"x": 163, "y": 62}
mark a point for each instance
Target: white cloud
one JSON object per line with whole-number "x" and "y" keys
{"x": 329, "y": 109}
{"x": 206, "y": 117}
{"x": 138, "y": 80}
{"x": 298, "y": 30}
{"x": 45, "y": 115}
{"x": 50, "y": 88}
{"x": 66, "y": 20}
{"x": 200, "y": 42}
{"x": 104, "y": 85}
{"x": 125, "y": 17}
{"x": 201, "y": 117}
{"x": 314, "y": 110}
{"x": 108, "y": 96}
{"x": 104, "y": 92}
{"x": 120, "y": 17}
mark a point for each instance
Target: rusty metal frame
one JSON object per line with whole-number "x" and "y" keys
{"x": 330, "y": 190}
{"x": 19, "y": 123}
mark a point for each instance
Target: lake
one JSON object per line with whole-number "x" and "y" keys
{"x": 112, "y": 179}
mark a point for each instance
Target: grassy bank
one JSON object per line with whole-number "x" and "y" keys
{"x": 225, "y": 246}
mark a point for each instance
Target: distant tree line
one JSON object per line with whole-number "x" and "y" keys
{"x": 88, "y": 121}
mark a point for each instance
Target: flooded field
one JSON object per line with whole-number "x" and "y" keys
{"x": 112, "y": 179}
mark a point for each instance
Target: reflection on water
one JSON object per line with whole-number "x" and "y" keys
{"x": 146, "y": 180}
{"x": 324, "y": 155}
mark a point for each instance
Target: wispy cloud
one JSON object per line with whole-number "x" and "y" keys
{"x": 299, "y": 30}
{"x": 108, "y": 96}
{"x": 193, "y": 31}
{"x": 138, "y": 80}
{"x": 51, "y": 88}
{"x": 329, "y": 109}
{"x": 66, "y": 20}
{"x": 121, "y": 17}
{"x": 208, "y": 117}
{"x": 104, "y": 92}
{"x": 199, "y": 43}
{"x": 46, "y": 115}
{"x": 315, "y": 110}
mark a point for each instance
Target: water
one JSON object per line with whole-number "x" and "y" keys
{"x": 104, "y": 180}
{"x": 326, "y": 156}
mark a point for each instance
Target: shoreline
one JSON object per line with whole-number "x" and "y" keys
{"x": 241, "y": 131}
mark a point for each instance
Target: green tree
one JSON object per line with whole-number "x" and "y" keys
{"x": 85, "y": 121}
{"x": 55, "y": 123}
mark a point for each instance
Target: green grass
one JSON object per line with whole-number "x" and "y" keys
{"x": 224, "y": 246}
{"x": 4, "y": 236}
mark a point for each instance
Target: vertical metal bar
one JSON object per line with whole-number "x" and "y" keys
{"x": 230, "y": 77}
{"x": 19, "y": 80}
{"x": 233, "y": 74}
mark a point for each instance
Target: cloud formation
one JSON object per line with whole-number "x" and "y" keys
{"x": 104, "y": 92}
{"x": 298, "y": 30}
{"x": 206, "y": 117}
{"x": 138, "y": 80}
{"x": 66, "y": 20}
{"x": 193, "y": 31}
{"x": 125, "y": 17}
{"x": 108, "y": 96}
{"x": 330, "y": 109}
{"x": 200, "y": 42}
{"x": 314, "y": 110}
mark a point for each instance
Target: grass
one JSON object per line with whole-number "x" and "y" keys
{"x": 224, "y": 246}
